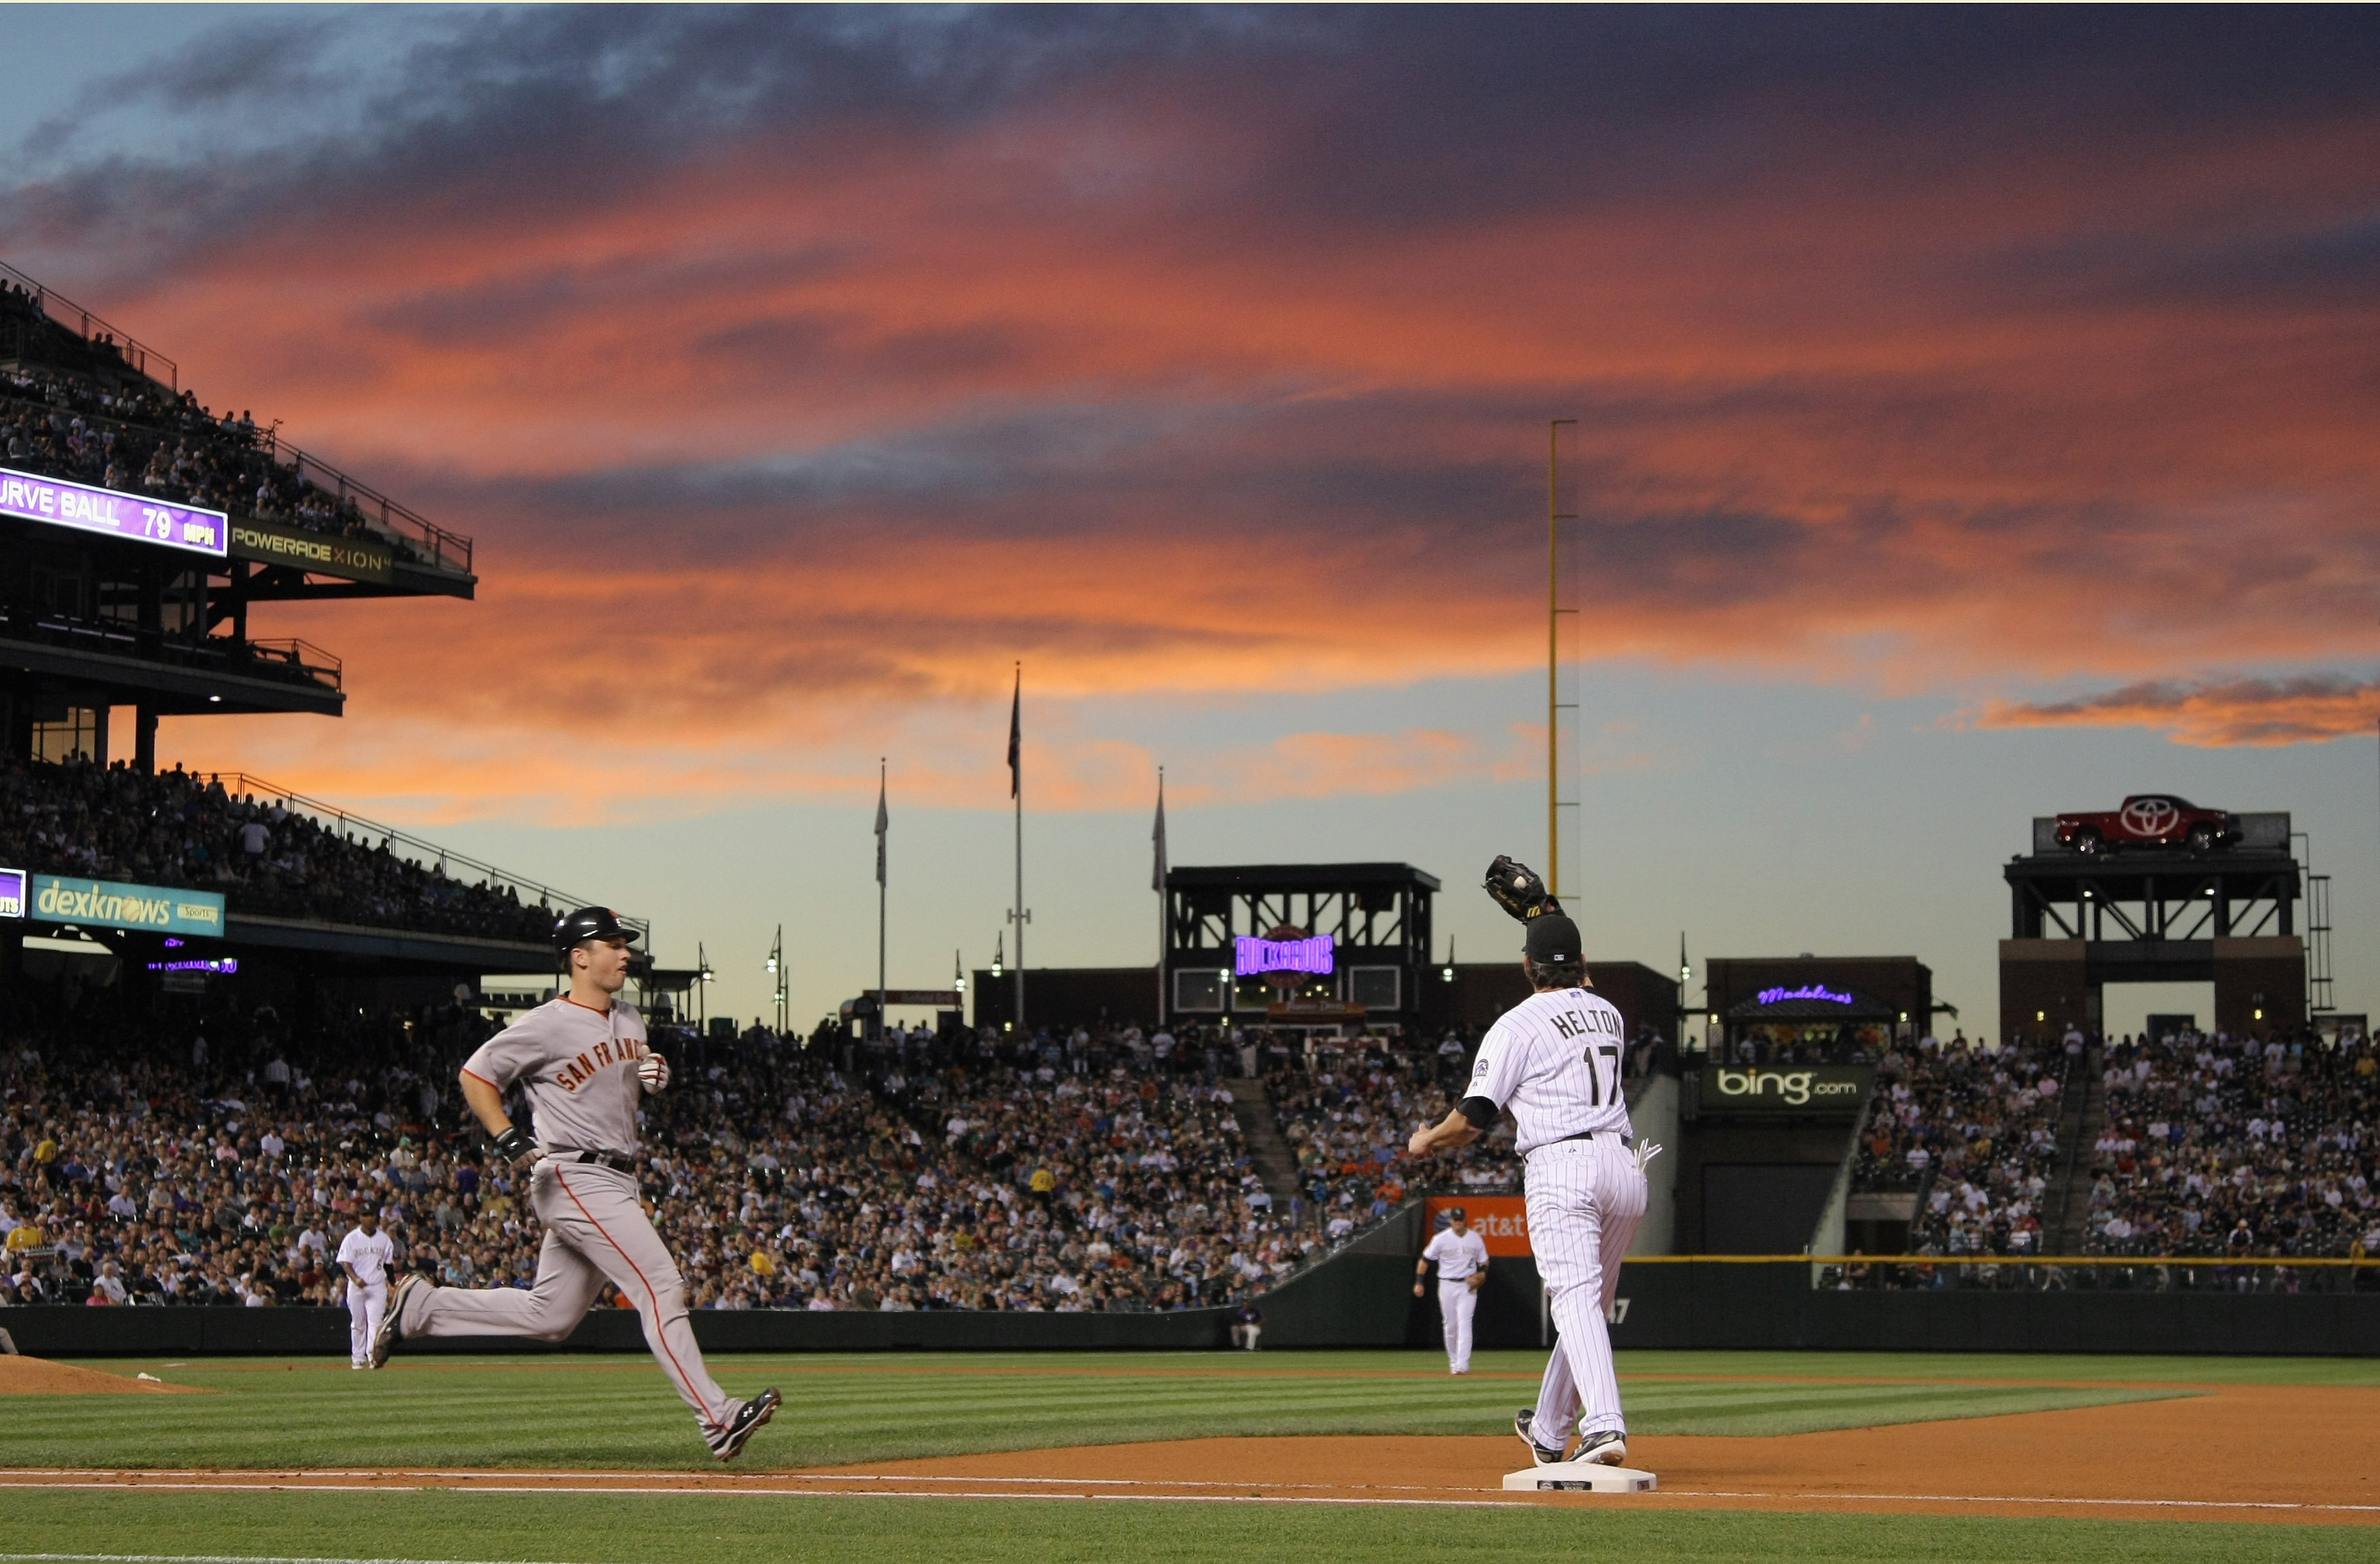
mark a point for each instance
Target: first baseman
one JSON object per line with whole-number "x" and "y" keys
{"x": 1461, "y": 1257}
{"x": 1553, "y": 1060}
{"x": 365, "y": 1255}
{"x": 582, "y": 1061}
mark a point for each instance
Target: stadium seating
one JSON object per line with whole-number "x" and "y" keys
{"x": 127, "y": 433}
{"x": 175, "y": 827}
{"x": 215, "y": 1172}
{"x": 2217, "y": 1145}
{"x": 1973, "y": 1135}
{"x": 1346, "y": 1110}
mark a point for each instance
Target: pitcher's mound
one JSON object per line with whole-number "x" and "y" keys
{"x": 39, "y": 1377}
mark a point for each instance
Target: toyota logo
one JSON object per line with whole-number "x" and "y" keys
{"x": 2150, "y": 817}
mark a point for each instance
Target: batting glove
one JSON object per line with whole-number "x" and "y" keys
{"x": 653, "y": 1071}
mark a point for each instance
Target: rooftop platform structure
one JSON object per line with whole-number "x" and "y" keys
{"x": 94, "y": 616}
{"x": 2079, "y": 921}
{"x": 1375, "y": 916}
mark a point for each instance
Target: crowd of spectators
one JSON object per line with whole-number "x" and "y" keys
{"x": 183, "y": 829}
{"x": 2237, "y": 1146}
{"x": 219, "y": 1159}
{"x": 1346, "y": 1108}
{"x": 1972, "y": 1133}
{"x": 76, "y": 416}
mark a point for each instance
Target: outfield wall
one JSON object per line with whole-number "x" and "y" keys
{"x": 1681, "y": 1303}
{"x": 1360, "y": 1297}
{"x": 1363, "y": 1297}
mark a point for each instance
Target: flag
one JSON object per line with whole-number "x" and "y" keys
{"x": 1157, "y": 879}
{"x": 1016, "y": 737}
{"x": 883, "y": 823}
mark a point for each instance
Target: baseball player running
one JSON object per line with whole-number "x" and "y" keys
{"x": 1461, "y": 1257}
{"x": 1553, "y": 1060}
{"x": 582, "y": 1061}
{"x": 365, "y": 1255}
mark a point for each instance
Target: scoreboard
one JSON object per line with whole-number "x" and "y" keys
{"x": 88, "y": 508}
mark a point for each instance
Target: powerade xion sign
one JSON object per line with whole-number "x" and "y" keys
{"x": 1831, "y": 1089}
{"x": 105, "y": 904}
{"x": 12, "y": 892}
{"x": 88, "y": 508}
{"x": 1252, "y": 957}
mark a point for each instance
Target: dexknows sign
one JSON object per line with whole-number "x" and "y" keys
{"x": 109, "y": 906}
{"x": 1792, "y": 1088}
{"x": 1501, "y": 1219}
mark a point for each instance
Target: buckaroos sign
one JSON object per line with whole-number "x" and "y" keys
{"x": 1833, "y": 1090}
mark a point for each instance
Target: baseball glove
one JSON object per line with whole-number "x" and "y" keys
{"x": 1518, "y": 890}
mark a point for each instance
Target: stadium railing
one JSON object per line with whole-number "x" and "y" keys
{"x": 432, "y": 543}
{"x": 347, "y": 823}
{"x": 2036, "y": 1273}
{"x": 65, "y": 313}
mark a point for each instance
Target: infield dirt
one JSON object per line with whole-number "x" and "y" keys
{"x": 39, "y": 1377}
{"x": 2293, "y": 1454}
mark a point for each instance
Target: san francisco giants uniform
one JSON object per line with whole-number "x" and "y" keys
{"x": 369, "y": 1255}
{"x": 578, "y": 1066}
{"x": 1457, "y": 1256}
{"x": 1553, "y": 1062}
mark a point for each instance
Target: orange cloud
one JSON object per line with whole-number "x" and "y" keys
{"x": 2253, "y": 713}
{"x": 1168, "y": 381}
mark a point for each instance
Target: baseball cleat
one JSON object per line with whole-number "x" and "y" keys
{"x": 747, "y": 1421}
{"x": 1521, "y": 1422}
{"x": 385, "y": 1339}
{"x": 1607, "y": 1448}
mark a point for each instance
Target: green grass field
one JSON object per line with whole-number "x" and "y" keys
{"x": 617, "y": 1411}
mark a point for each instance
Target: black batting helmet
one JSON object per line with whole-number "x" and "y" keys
{"x": 590, "y": 923}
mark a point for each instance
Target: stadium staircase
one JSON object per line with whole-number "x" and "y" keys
{"x": 1276, "y": 1165}
{"x": 2078, "y": 1128}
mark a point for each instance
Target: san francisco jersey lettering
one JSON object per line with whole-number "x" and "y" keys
{"x": 578, "y": 1067}
{"x": 1553, "y": 1062}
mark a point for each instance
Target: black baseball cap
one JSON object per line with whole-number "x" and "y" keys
{"x": 1553, "y": 937}
{"x": 1456, "y": 1214}
{"x": 590, "y": 923}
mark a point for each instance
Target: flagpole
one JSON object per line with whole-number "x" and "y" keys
{"x": 1161, "y": 896}
{"x": 882, "y": 874}
{"x": 1016, "y": 790}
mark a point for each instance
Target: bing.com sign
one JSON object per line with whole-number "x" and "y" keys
{"x": 1808, "y": 1089}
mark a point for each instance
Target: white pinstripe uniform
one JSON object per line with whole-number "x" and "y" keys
{"x": 578, "y": 1067}
{"x": 1457, "y": 1255}
{"x": 1553, "y": 1062}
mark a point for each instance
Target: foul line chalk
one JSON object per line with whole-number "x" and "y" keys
{"x": 208, "y": 1558}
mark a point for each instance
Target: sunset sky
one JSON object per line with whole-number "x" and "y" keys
{"x": 1977, "y": 418}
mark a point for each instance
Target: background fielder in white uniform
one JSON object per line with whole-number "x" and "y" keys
{"x": 1553, "y": 1062}
{"x": 1461, "y": 1257}
{"x": 365, "y": 1255}
{"x": 581, "y": 1060}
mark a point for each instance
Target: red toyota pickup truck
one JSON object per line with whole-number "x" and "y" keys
{"x": 2150, "y": 819}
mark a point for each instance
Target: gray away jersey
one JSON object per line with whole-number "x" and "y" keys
{"x": 1553, "y": 1062}
{"x": 578, "y": 1067}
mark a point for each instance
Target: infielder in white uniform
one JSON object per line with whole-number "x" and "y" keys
{"x": 1553, "y": 1060}
{"x": 1461, "y": 1257}
{"x": 582, "y": 1061}
{"x": 365, "y": 1255}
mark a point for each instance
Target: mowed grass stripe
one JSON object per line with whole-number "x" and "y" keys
{"x": 551, "y": 1412}
{"x": 652, "y": 1529}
